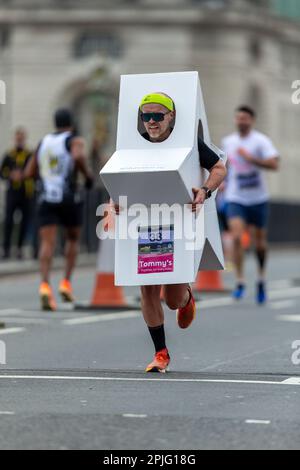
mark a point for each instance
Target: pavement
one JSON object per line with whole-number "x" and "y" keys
{"x": 75, "y": 379}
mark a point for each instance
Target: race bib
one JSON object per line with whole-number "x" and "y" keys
{"x": 155, "y": 250}
{"x": 53, "y": 192}
{"x": 248, "y": 180}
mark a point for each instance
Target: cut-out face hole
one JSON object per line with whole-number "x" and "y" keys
{"x": 155, "y": 122}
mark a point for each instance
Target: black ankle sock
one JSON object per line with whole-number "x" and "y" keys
{"x": 158, "y": 337}
{"x": 261, "y": 258}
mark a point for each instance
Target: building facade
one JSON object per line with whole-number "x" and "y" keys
{"x": 69, "y": 52}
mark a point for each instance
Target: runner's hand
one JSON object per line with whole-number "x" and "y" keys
{"x": 245, "y": 155}
{"x": 199, "y": 198}
{"x": 116, "y": 208}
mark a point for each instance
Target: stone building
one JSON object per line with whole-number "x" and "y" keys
{"x": 72, "y": 52}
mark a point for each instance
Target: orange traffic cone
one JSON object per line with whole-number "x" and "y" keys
{"x": 105, "y": 294}
{"x": 209, "y": 281}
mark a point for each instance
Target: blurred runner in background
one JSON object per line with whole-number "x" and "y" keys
{"x": 19, "y": 193}
{"x": 249, "y": 153}
{"x": 58, "y": 160}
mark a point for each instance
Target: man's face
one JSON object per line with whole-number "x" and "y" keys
{"x": 158, "y": 131}
{"x": 244, "y": 122}
{"x": 20, "y": 138}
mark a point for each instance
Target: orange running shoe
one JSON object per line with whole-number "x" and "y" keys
{"x": 160, "y": 362}
{"x": 187, "y": 314}
{"x": 47, "y": 297}
{"x": 66, "y": 291}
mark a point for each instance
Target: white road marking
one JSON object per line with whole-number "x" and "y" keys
{"x": 7, "y": 413}
{"x": 29, "y": 321}
{"x": 8, "y": 331}
{"x": 289, "y": 318}
{"x": 103, "y": 317}
{"x": 131, "y": 415}
{"x": 282, "y": 304}
{"x": 257, "y": 421}
{"x": 285, "y": 293}
{"x": 290, "y": 381}
{"x": 10, "y": 311}
{"x": 223, "y": 301}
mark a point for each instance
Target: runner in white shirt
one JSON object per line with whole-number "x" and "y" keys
{"x": 249, "y": 154}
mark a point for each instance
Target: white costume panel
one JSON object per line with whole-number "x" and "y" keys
{"x": 167, "y": 248}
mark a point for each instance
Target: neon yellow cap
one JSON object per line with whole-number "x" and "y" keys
{"x": 157, "y": 98}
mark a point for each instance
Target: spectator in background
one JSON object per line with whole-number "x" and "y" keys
{"x": 19, "y": 193}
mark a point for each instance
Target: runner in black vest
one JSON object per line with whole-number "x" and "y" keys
{"x": 57, "y": 161}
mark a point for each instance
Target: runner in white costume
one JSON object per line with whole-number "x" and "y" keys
{"x": 157, "y": 112}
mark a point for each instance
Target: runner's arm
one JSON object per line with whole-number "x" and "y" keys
{"x": 78, "y": 153}
{"x": 31, "y": 169}
{"x": 271, "y": 163}
{"x": 217, "y": 175}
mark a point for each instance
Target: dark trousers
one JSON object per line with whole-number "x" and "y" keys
{"x": 15, "y": 200}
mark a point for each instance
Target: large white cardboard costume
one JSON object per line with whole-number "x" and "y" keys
{"x": 162, "y": 173}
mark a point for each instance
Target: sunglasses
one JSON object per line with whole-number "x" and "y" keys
{"x": 156, "y": 117}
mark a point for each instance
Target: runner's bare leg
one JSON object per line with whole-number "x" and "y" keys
{"x": 71, "y": 250}
{"x": 176, "y": 295}
{"x": 47, "y": 245}
{"x": 237, "y": 227}
{"x": 151, "y": 306}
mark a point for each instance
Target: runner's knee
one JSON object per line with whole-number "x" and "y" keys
{"x": 261, "y": 241}
{"x": 72, "y": 235}
{"x": 150, "y": 293}
{"x": 174, "y": 300}
{"x": 173, "y": 303}
{"x": 46, "y": 249}
{"x": 237, "y": 240}
{"x": 261, "y": 245}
